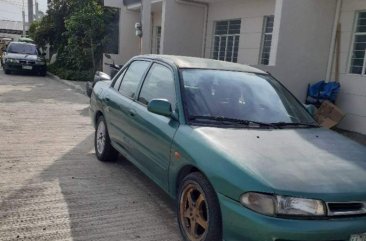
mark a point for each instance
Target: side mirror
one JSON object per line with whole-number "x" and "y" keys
{"x": 160, "y": 107}
{"x": 103, "y": 76}
{"x": 311, "y": 109}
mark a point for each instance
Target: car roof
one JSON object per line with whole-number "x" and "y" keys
{"x": 25, "y": 43}
{"x": 185, "y": 62}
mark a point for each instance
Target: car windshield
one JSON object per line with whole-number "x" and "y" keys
{"x": 240, "y": 96}
{"x": 19, "y": 48}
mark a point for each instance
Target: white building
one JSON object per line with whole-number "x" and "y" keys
{"x": 295, "y": 40}
{"x": 11, "y": 29}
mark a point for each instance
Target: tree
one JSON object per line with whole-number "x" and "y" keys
{"x": 76, "y": 30}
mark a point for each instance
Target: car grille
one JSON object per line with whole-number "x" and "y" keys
{"x": 27, "y": 62}
{"x": 346, "y": 208}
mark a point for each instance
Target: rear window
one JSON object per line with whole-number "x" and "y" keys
{"x": 18, "y": 48}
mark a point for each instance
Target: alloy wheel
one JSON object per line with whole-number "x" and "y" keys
{"x": 193, "y": 212}
{"x": 101, "y": 137}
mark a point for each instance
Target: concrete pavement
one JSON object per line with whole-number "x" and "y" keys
{"x": 51, "y": 185}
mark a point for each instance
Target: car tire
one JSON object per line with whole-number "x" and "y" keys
{"x": 88, "y": 89}
{"x": 103, "y": 148}
{"x": 6, "y": 71}
{"x": 197, "y": 204}
{"x": 43, "y": 73}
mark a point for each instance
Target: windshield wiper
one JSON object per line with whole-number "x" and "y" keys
{"x": 230, "y": 121}
{"x": 295, "y": 124}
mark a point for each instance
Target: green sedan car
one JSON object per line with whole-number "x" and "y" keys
{"x": 241, "y": 156}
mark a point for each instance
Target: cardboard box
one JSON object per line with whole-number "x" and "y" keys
{"x": 329, "y": 115}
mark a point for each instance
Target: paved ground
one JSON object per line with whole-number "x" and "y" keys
{"x": 51, "y": 185}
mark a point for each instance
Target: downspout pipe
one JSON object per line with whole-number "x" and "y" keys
{"x": 206, "y": 7}
{"x": 333, "y": 41}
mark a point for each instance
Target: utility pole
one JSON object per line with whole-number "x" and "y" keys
{"x": 23, "y": 15}
{"x": 36, "y": 5}
{"x": 30, "y": 12}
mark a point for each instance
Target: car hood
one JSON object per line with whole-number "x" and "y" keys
{"x": 21, "y": 56}
{"x": 312, "y": 160}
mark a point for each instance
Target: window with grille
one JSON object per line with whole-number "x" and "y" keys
{"x": 226, "y": 40}
{"x": 358, "y": 59}
{"x": 266, "y": 40}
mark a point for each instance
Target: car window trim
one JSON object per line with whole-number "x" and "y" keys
{"x": 143, "y": 82}
{"x": 117, "y": 76}
{"x": 114, "y": 79}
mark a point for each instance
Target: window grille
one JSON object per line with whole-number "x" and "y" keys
{"x": 358, "y": 58}
{"x": 266, "y": 40}
{"x": 226, "y": 40}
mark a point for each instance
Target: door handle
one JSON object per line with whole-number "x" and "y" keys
{"x": 132, "y": 113}
{"x": 107, "y": 100}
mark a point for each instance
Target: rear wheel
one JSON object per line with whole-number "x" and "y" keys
{"x": 103, "y": 148}
{"x": 199, "y": 214}
{"x": 6, "y": 71}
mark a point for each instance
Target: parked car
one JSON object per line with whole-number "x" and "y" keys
{"x": 24, "y": 57}
{"x": 241, "y": 156}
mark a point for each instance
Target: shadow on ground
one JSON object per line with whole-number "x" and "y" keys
{"x": 105, "y": 201}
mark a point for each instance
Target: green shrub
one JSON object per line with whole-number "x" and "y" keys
{"x": 68, "y": 74}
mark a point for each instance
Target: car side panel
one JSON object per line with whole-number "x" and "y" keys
{"x": 116, "y": 113}
{"x": 152, "y": 139}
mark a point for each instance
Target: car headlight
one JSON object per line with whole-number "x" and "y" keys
{"x": 274, "y": 205}
{"x": 11, "y": 61}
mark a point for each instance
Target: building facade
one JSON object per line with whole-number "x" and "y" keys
{"x": 11, "y": 29}
{"x": 297, "y": 41}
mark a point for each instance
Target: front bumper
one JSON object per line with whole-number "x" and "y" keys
{"x": 19, "y": 67}
{"x": 240, "y": 224}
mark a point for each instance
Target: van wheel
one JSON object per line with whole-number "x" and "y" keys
{"x": 198, "y": 209}
{"x": 103, "y": 148}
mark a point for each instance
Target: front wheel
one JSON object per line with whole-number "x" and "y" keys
{"x": 43, "y": 73}
{"x": 103, "y": 148}
{"x": 6, "y": 71}
{"x": 198, "y": 209}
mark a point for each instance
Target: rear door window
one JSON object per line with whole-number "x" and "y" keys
{"x": 132, "y": 78}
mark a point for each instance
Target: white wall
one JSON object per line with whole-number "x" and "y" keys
{"x": 352, "y": 98}
{"x": 8, "y": 35}
{"x": 251, "y": 13}
{"x": 129, "y": 43}
{"x": 113, "y": 3}
{"x": 182, "y": 28}
{"x": 146, "y": 27}
{"x": 304, "y": 39}
{"x": 156, "y": 22}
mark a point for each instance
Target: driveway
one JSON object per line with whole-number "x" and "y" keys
{"x": 51, "y": 185}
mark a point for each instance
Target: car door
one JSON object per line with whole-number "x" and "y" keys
{"x": 152, "y": 133}
{"x": 119, "y": 99}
